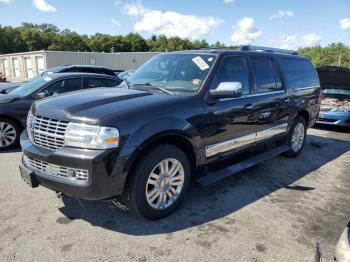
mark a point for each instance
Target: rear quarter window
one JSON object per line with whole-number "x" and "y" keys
{"x": 299, "y": 73}
{"x": 100, "y": 82}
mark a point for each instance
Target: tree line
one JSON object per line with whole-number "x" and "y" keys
{"x": 33, "y": 37}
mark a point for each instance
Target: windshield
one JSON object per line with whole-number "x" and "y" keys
{"x": 31, "y": 86}
{"x": 173, "y": 72}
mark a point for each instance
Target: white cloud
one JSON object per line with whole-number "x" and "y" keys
{"x": 115, "y": 22}
{"x": 282, "y": 14}
{"x": 171, "y": 23}
{"x": 245, "y": 32}
{"x": 345, "y": 24}
{"x": 135, "y": 9}
{"x": 294, "y": 41}
{"x": 311, "y": 40}
{"x": 6, "y": 2}
{"x": 285, "y": 41}
{"x": 228, "y": 1}
{"x": 43, "y": 6}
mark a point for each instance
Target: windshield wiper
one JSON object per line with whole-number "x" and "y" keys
{"x": 156, "y": 85}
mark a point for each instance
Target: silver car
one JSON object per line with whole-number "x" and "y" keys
{"x": 335, "y": 104}
{"x": 342, "y": 251}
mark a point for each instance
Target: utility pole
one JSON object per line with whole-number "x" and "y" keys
{"x": 339, "y": 60}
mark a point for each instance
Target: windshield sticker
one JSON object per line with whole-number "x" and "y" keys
{"x": 47, "y": 79}
{"x": 200, "y": 63}
{"x": 196, "y": 82}
{"x": 210, "y": 59}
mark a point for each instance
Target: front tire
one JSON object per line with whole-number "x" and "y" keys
{"x": 9, "y": 134}
{"x": 296, "y": 137}
{"x": 159, "y": 182}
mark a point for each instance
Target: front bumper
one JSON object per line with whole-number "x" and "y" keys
{"x": 334, "y": 118}
{"x": 106, "y": 175}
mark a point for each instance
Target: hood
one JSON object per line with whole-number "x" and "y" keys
{"x": 6, "y": 88}
{"x": 7, "y": 98}
{"x": 332, "y": 76}
{"x": 93, "y": 105}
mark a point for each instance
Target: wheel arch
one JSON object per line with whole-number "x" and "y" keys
{"x": 17, "y": 121}
{"x": 172, "y": 137}
{"x": 306, "y": 115}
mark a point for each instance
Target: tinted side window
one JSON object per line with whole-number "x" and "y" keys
{"x": 299, "y": 73}
{"x": 99, "y": 82}
{"x": 105, "y": 72}
{"x": 69, "y": 69}
{"x": 265, "y": 78}
{"x": 63, "y": 86}
{"x": 87, "y": 70}
{"x": 233, "y": 69}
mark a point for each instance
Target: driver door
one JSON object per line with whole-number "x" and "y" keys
{"x": 231, "y": 121}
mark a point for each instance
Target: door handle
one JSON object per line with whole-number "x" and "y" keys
{"x": 248, "y": 106}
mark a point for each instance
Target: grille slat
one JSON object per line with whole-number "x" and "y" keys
{"x": 46, "y": 132}
{"x": 56, "y": 171}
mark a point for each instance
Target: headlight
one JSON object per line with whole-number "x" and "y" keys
{"x": 341, "y": 109}
{"x": 91, "y": 137}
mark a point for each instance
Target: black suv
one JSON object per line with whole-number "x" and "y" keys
{"x": 15, "y": 105}
{"x": 173, "y": 120}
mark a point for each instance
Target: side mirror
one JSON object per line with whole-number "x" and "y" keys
{"x": 41, "y": 95}
{"x": 227, "y": 90}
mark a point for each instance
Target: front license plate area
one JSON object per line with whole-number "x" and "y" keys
{"x": 28, "y": 177}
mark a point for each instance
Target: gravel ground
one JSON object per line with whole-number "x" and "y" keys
{"x": 276, "y": 211}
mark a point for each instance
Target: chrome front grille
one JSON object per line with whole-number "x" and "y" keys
{"x": 79, "y": 175}
{"x": 46, "y": 132}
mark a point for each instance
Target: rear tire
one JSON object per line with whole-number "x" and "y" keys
{"x": 158, "y": 182}
{"x": 9, "y": 134}
{"x": 296, "y": 137}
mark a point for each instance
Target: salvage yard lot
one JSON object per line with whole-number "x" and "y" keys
{"x": 275, "y": 211}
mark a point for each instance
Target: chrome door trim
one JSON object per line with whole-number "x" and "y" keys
{"x": 253, "y": 95}
{"x": 228, "y": 145}
{"x": 234, "y": 143}
{"x": 270, "y": 132}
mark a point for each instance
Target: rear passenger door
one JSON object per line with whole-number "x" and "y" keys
{"x": 271, "y": 103}
{"x": 93, "y": 82}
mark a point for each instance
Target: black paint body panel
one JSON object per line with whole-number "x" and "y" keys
{"x": 145, "y": 116}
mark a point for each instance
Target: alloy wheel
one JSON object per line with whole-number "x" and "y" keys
{"x": 165, "y": 183}
{"x": 7, "y": 134}
{"x": 298, "y": 137}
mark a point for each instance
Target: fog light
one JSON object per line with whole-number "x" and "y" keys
{"x": 71, "y": 173}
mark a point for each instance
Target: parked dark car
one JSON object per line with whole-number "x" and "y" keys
{"x": 14, "y": 106}
{"x": 7, "y": 88}
{"x": 173, "y": 120}
{"x": 335, "y": 105}
{"x": 84, "y": 69}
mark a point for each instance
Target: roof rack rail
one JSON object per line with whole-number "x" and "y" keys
{"x": 267, "y": 49}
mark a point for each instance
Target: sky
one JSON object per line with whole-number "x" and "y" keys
{"x": 277, "y": 23}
